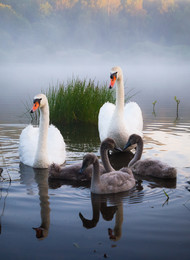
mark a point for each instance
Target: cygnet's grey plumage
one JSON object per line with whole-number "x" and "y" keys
{"x": 148, "y": 167}
{"x": 107, "y": 145}
{"x": 110, "y": 182}
{"x": 71, "y": 172}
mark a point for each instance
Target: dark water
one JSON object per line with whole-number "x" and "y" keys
{"x": 140, "y": 224}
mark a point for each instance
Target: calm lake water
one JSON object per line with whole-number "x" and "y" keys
{"x": 140, "y": 224}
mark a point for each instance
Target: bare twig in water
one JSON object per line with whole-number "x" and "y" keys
{"x": 177, "y": 102}
{"x": 76, "y": 245}
{"x": 166, "y": 194}
{"x": 4, "y": 202}
{"x": 154, "y": 103}
{"x": 186, "y": 205}
{"x": 166, "y": 201}
{"x": 4, "y": 162}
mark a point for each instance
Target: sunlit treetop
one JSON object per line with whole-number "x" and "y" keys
{"x": 166, "y": 5}
{"x": 46, "y": 8}
{"x": 114, "y": 6}
{"x": 65, "y": 4}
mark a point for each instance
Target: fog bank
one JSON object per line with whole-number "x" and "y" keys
{"x": 46, "y": 42}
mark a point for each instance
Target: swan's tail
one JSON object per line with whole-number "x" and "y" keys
{"x": 170, "y": 173}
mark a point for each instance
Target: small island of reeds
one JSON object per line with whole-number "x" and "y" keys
{"x": 77, "y": 101}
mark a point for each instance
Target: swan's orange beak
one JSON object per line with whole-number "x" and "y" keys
{"x": 39, "y": 232}
{"x": 112, "y": 81}
{"x": 35, "y": 107}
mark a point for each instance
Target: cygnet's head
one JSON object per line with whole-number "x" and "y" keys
{"x": 88, "y": 159}
{"x": 133, "y": 139}
{"x": 39, "y": 101}
{"x": 109, "y": 144}
{"x": 115, "y": 74}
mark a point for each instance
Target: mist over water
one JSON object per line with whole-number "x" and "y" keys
{"x": 44, "y": 43}
{"x": 161, "y": 82}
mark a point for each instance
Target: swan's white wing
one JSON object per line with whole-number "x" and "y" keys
{"x": 28, "y": 144}
{"x": 56, "y": 146}
{"x": 104, "y": 119}
{"x": 133, "y": 118}
{"x": 29, "y": 141}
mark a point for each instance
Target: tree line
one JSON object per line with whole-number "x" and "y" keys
{"x": 92, "y": 25}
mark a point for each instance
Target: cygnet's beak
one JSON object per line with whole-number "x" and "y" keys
{"x": 118, "y": 149}
{"x": 128, "y": 144}
{"x": 81, "y": 170}
{"x": 83, "y": 167}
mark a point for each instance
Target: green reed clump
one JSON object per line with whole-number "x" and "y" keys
{"x": 77, "y": 101}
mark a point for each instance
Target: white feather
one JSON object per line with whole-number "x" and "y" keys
{"x": 41, "y": 152}
{"x": 104, "y": 119}
{"x": 29, "y": 141}
{"x": 119, "y": 121}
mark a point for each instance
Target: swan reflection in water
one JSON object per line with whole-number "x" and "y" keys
{"x": 30, "y": 176}
{"x": 115, "y": 207}
{"x": 100, "y": 205}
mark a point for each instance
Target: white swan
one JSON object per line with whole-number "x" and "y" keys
{"x": 41, "y": 146}
{"x": 111, "y": 182}
{"x": 148, "y": 167}
{"x": 119, "y": 121}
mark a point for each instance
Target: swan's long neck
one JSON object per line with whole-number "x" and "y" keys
{"x": 138, "y": 153}
{"x": 41, "y": 157}
{"x": 105, "y": 160}
{"x": 120, "y": 98}
{"x": 95, "y": 174}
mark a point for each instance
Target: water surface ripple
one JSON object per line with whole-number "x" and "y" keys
{"x": 60, "y": 213}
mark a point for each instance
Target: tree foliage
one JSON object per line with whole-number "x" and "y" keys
{"x": 92, "y": 25}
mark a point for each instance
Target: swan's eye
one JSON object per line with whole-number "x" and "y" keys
{"x": 37, "y": 100}
{"x": 113, "y": 76}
